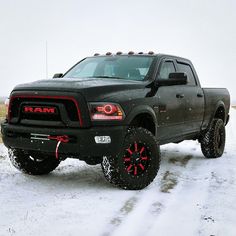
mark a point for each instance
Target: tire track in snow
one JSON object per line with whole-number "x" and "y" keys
{"x": 123, "y": 212}
{"x": 183, "y": 210}
{"x": 198, "y": 205}
{"x": 151, "y": 201}
{"x": 154, "y": 202}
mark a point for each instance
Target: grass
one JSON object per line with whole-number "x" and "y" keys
{"x": 3, "y": 112}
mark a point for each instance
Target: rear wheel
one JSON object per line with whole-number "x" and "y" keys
{"x": 213, "y": 141}
{"x": 35, "y": 164}
{"x": 138, "y": 162}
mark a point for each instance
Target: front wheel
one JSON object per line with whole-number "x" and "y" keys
{"x": 213, "y": 141}
{"x": 137, "y": 164}
{"x": 35, "y": 164}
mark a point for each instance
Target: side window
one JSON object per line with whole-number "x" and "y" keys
{"x": 188, "y": 70}
{"x": 167, "y": 67}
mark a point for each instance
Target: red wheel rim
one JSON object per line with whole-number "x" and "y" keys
{"x": 136, "y": 158}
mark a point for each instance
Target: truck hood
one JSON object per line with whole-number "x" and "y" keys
{"x": 89, "y": 87}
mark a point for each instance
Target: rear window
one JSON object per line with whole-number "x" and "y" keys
{"x": 188, "y": 70}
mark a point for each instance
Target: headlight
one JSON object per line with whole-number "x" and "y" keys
{"x": 106, "y": 111}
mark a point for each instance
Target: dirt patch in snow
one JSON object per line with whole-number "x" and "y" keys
{"x": 122, "y": 214}
{"x": 168, "y": 182}
{"x": 125, "y": 210}
{"x": 183, "y": 162}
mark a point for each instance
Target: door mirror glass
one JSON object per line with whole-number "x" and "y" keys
{"x": 174, "y": 79}
{"x": 178, "y": 75}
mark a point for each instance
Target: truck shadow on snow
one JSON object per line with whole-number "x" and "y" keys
{"x": 79, "y": 176}
{"x": 74, "y": 174}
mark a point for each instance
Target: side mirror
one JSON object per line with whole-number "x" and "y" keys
{"x": 174, "y": 79}
{"x": 178, "y": 75}
{"x": 59, "y": 75}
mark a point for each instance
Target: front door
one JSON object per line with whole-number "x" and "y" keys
{"x": 170, "y": 105}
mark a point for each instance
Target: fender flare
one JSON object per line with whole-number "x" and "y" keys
{"x": 219, "y": 104}
{"x": 142, "y": 109}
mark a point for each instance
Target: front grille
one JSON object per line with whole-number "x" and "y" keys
{"x": 38, "y": 116}
{"x": 67, "y": 108}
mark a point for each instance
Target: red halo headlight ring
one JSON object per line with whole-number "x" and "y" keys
{"x": 109, "y": 109}
{"x": 106, "y": 111}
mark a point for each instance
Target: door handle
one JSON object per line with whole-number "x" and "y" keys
{"x": 199, "y": 95}
{"x": 180, "y": 95}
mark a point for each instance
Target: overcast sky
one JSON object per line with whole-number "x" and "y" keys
{"x": 202, "y": 30}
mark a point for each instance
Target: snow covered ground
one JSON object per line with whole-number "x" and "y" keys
{"x": 190, "y": 196}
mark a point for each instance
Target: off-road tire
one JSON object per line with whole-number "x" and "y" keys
{"x": 213, "y": 140}
{"x": 32, "y": 164}
{"x": 115, "y": 168}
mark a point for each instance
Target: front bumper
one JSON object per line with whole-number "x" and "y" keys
{"x": 81, "y": 145}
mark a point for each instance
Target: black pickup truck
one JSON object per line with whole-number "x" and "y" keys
{"x": 114, "y": 109}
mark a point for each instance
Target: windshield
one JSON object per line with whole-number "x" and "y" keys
{"x": 117, "y": 67}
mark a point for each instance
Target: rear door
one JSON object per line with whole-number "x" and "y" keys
{"x": 194, "y": 98}
{"x": 170, "y": 105}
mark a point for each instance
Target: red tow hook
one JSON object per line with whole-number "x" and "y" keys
{"x": 59, "y": 139}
